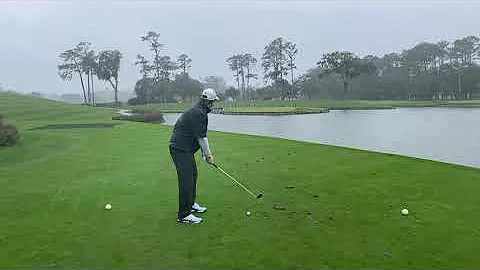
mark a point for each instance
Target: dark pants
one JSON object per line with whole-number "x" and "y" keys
{"x": 187, "y": 180}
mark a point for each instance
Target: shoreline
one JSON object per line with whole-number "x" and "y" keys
{"x": 291, "y": 110}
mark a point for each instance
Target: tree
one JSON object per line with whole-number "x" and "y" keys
{"x": 161, "y": 91}
{"x": 231, "y": 92}
{"x": 443, "y": 46}
{"x": 143, "y": 91}
{"x": 89, "y": 66}
{"x": 242, "y": 65}
{"x": 108, "y": 69}
{"x": 65, "y": 71}
{"x": 423, "y": 58}
{"x": 291, "y": 52}
{"x": 345, "y": 64}
{"x": 392, "y": 60}
{"x": 183, "y": 62}
{"x": 153, "y": 41}
{"x": 166, "y": 68}
{"x": 216, "y": 82}
{"x": 249, "y": 61}
{"x": 437, "y": 70}
{"x": 73, "y": 62}
{"x": 465, "y": 49}
{"x": 186, "y": 86}
{"x": 462, "y": 53}
{"x": 145, "y": 68}
{"x": 242, "y": 62}
{"x": 308, "y": 84}
{"x": 161, "y": 68}
{"x": 274, "y": 60}
{"x": 234, "y": 63}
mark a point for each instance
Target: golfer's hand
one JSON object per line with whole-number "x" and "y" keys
{"x": 209, "y": 160}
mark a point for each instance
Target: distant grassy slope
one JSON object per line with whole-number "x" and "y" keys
{"x": 342, "y": 205}
{"x": 25, "y": 110}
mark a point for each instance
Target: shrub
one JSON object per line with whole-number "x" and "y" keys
{"x": 109, "y": 104}
{"x": 8, "y": 134}
{"x": 135, "y": 101}
{"x": 145, "y": 116}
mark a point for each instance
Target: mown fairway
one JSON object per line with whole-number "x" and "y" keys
{"x": 341, "y": 207}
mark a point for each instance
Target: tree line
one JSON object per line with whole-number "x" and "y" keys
{"x": 442, "y": 70}
{"x": 160, "y": 80}
{"x": 86, "y": 63}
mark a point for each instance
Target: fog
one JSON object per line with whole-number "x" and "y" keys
{"x": 34, "y": 33}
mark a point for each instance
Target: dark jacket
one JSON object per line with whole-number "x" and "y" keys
{"x": 191, "y": 126}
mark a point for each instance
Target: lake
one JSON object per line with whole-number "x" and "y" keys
{"x": 444, "y": 134}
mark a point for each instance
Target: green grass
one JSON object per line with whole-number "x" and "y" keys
{"x": 276, "y": 105}
{"x": 55, "y": 184}
{"x": 353, "y": 104}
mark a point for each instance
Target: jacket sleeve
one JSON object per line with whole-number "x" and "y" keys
{"x": 203, "y": 142}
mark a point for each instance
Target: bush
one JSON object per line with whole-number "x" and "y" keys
{"x": 135, "y": 101}
{"x": 8, "y": 134}
{"x": 142, "y": 116}
{"x": 109, "y": 104}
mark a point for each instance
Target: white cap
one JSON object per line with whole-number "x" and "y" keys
{"x": 209, "y": 94}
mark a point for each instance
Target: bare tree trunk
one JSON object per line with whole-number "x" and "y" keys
{"x": 93, "y": 92}
{"x": 238, "y": 81}
{"x": 248, "y": 81}
{"x": 291, "y": 86}
{"x": 114, "y": 87}
{"x": 345, "y": 86}
{"x": 116, "y": 92}
{"x": 460, "y": 85}
{"x": 83, "y": 88}
{"x": 243, "y": 83}
{"x": 88, "y": 89}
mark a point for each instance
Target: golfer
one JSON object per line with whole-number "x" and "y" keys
{"x": 189, "y": 135}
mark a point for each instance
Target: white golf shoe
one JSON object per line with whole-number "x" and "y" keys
{"x": 190, "y": 219}
{"x": 196, "y": 208}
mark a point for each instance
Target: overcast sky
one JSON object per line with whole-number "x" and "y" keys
{"x": 34, "y": 33}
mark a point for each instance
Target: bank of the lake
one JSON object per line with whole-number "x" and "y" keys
{"x": 254, "y": 110}
{"x": 279, "y": 107}
{"x": 436, "y": 133}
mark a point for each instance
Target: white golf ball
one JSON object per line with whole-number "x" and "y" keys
{"x": 248, "y": 213}
{"x": 405, "y": 211}
{"x": 108, "y": 206}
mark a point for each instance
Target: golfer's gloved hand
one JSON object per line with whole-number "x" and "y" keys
{"x": 209, "y": 159}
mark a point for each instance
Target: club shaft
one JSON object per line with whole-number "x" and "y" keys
{"x": 238, "y": 183}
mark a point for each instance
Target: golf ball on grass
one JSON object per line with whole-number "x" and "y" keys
{"x": 404, "y": 212}
{"x": 108, "y": 206}
{"x": 248, "y": 213}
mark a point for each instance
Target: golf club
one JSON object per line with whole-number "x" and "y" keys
{"x": 238, "y": 183}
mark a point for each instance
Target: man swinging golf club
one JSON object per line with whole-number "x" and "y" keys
{"x": 189, "y": 135}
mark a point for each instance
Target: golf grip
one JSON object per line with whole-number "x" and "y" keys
{"x": 246, "y": 189}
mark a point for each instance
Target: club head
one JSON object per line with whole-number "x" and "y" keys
{"x": 260, "y": 195}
